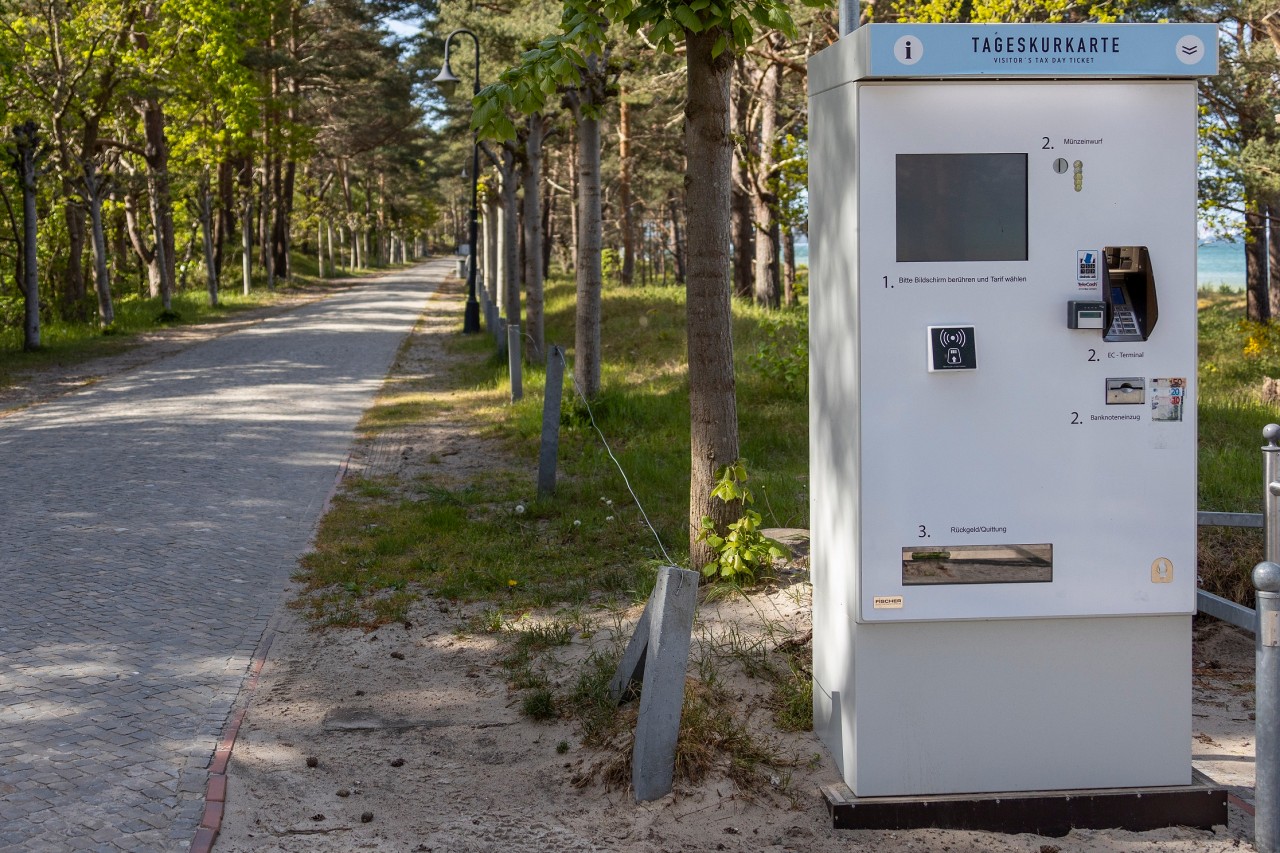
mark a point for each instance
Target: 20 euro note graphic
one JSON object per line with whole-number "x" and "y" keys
{"x": 1168, "y": 396}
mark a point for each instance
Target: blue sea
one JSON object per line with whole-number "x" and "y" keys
{"x": 1218, "y": 263}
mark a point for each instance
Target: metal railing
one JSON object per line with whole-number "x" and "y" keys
{"x": 1264, "y": 624}
{"x": 1223, "y": 608}
{"x": 1266, "y": 583}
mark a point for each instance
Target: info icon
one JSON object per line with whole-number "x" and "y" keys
{"x": 908, "y": 50}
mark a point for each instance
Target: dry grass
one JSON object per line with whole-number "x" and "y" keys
{"x": 1227, "y": 556}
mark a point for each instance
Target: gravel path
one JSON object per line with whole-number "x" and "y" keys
{"x": 149, "y": 525}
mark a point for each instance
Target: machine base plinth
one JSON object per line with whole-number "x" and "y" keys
{"x": 1200, "y": 805}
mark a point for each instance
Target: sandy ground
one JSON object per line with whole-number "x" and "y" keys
{"x": 410, "y": 739}
{"x": 420, "y": 746}
{"x": 419, "y": 743}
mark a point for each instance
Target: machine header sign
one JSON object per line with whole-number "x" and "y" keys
{"x": 1036, "y": 50}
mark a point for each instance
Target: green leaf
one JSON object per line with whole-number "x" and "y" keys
{"x": 688, "y": 18}
{"x": 722, "y": 41}
{"x": 504, "y": 128}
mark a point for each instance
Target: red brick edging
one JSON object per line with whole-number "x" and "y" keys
{"x": 215, "y": 798}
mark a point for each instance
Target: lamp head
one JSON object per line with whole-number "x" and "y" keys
{"x": 446, "y": 80}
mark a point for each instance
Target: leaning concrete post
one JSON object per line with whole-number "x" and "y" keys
{"x": 671, "y": 607}
{"x": 513, "y": 363}
{"x": 550, "y": 423}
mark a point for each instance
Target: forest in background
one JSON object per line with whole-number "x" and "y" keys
{"x": 159, "y": 146}
{"x": 165, "y": 143}
{"x": 153, "y": 146}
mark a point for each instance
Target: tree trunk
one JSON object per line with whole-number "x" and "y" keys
{"x": 266, "y": 220}
{"x": 246, "y": 243}
{"x": 510, "y": 239}
{"x": 328, "y": 228}
{"x": 491, "y": 247}
{"x": 206, "y": 234}
{"x": 163, "y": 260}
{"x": 713, "y": 410}
{"x": 586, "y": 362}
{"x": 740, "y": 198}
{"x": 1255, "y": 263}
{"x": 575, "y": 230}
{"x": 789, "y": 267}
{"x": 101, "y": 274}
{"x": 226, "y": 222}
{"x": 678, "y": 243}
{"x": 147, "y": 255}
{"x": 283, "y": 187}
{"x": 533, "y": 256}
{"x": 763, "y": 199}
{"x": 73, "y": 291}
{"x": 624, "y": 190}
{"x": 548, "y": 228}
{"x": 1273, "y": 258}
{"x": 157, "y": 156}
{"x": 500, "y": 253}
{"x": 27, "y": 139}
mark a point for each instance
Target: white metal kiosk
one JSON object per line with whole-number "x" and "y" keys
{"x": 1002, "y": 404}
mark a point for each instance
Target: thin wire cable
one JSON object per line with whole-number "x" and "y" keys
{"x": 609, "y": 450}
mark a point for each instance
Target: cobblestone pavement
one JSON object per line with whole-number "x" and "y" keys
{"x": 149, "y": 526}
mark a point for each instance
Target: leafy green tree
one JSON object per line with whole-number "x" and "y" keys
{"x": 711, "y": 32}
{"x": 998, "y": 11}
{"x": 1241, "y": 170}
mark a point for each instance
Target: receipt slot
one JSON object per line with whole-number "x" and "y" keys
{"x": 999, "y": 603}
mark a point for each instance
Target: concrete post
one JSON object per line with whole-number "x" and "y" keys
{"x": 550, "y": 450}
{"x": 671, "y": 610}
{"x": 513, "y": 362}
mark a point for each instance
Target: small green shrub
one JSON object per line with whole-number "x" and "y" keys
{"x": 783, "y": 356}
{"x": 539, "y": 704}
{"x": 743, "y": 550}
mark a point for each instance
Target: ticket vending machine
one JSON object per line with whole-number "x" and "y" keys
{"x": 1002, "y": 404}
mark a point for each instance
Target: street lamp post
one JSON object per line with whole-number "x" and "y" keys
{"x": 448, "y": 82}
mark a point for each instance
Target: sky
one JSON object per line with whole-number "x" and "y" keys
{"x": 403, "y": 28}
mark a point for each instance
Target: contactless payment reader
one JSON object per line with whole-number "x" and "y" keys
{"x": 1002, "y": 404}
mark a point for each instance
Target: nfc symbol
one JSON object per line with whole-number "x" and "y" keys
{"x": 908, "y": 50}
{"x": 952, "y": 348}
